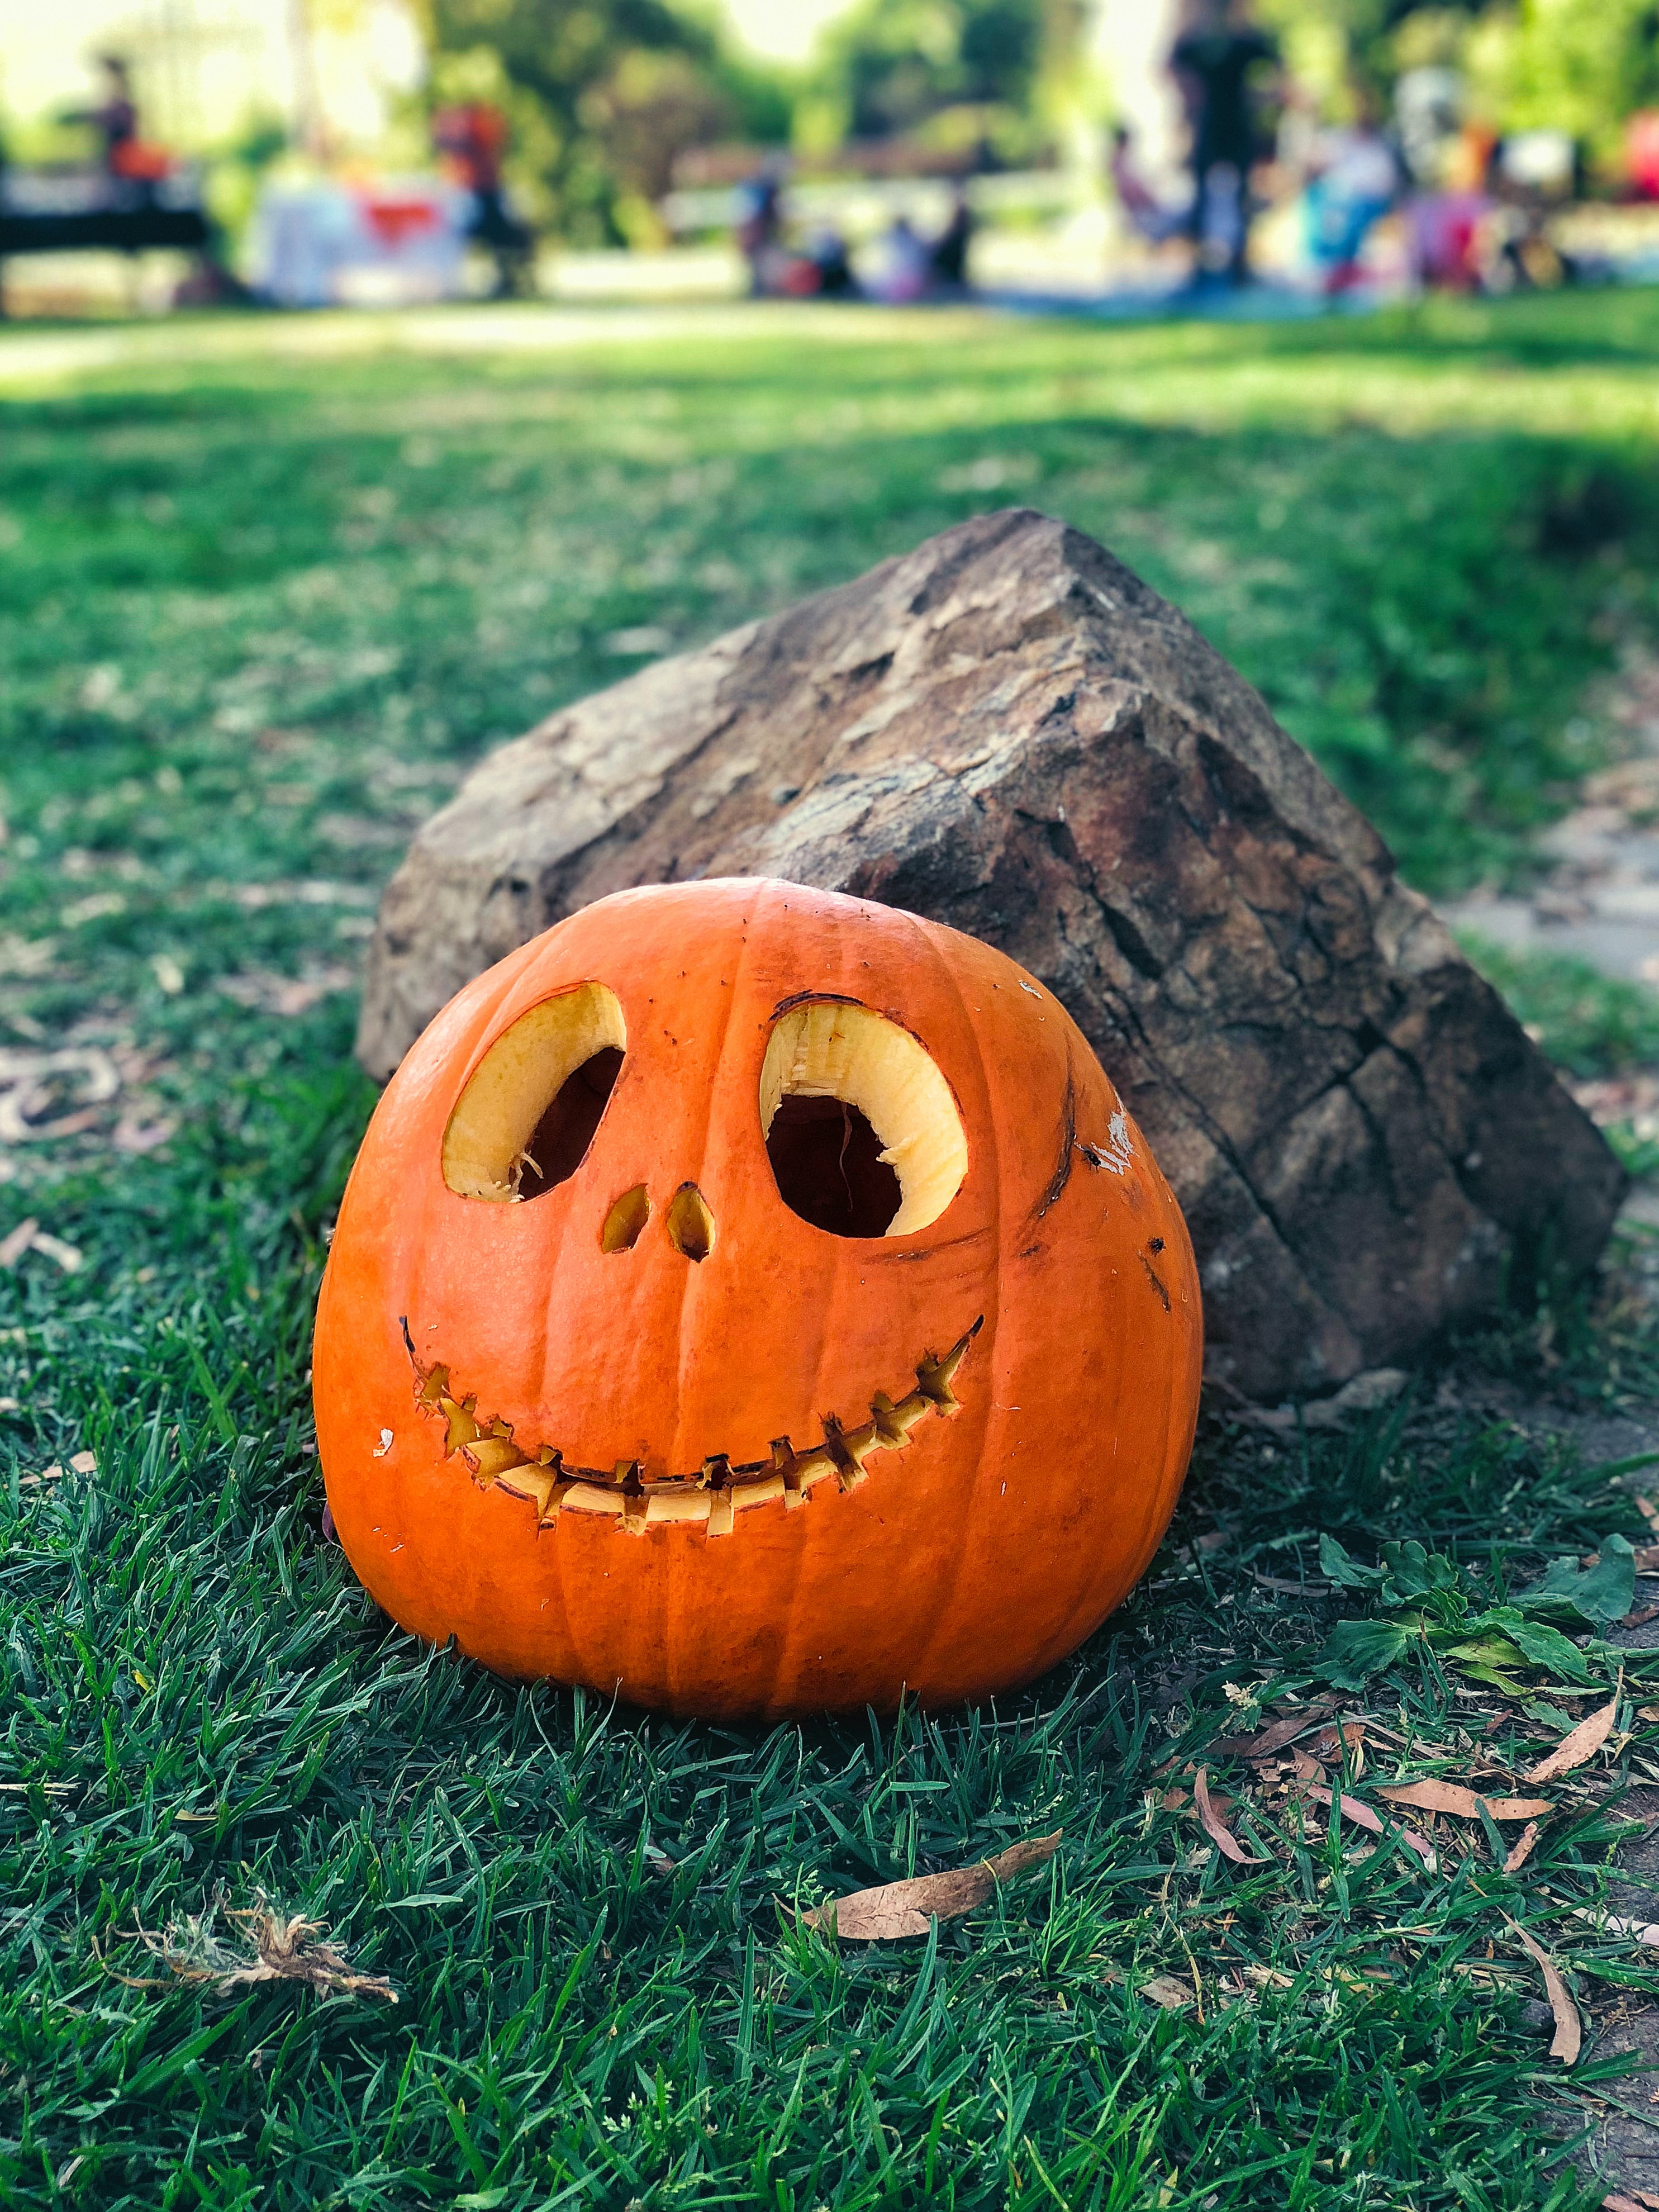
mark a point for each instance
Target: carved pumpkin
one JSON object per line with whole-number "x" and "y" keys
{"x": 756, "y": 1301}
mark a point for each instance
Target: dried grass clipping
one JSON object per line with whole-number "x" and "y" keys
{"x": 905, "y": 1908}
{"x": 284, "y": 1949}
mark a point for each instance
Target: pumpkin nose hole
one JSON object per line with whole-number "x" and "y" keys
{"x": 690, "y": 1225}
{"x": 626, "y": 1218}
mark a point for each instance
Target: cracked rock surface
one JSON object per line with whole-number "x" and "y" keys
{"x": 1007, "y": 731}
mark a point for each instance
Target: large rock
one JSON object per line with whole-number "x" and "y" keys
{"x": 1007, "y": 731}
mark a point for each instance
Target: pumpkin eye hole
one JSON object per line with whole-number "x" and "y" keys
{"x": 861, "y": 1130}
{"x": 524, "y": 1121}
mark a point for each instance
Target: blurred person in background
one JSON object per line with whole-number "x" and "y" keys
{"x": 1223, "y": 65}
{"x": 1642, "y": 155}
{"x": 472, "y": 139}
{"x": 1448, "y": 218}
{"x": 947, "y": 255}
{"x": 133, "y": 168}
{"x": 1353, "y": 179}
{"x": 827, "y": 258}
{"x": 759, "y": 230}
{"x": 905, "y": 265}
{"x": 1532, "y": 176}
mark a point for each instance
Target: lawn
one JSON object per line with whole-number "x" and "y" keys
{"x": 266, "y": 588}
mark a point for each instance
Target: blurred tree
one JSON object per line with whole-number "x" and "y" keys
{"x": 1581, "y": 66}
{"x": 604, "y": 94}
{"x": 1578, "y": 65}
{"x": 1328, "y": 41}
{"x": 889, "y": 66}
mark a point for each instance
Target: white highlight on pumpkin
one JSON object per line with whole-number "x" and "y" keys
{"x": 826, "y": 1050}
{"x": 515, "y": 1083}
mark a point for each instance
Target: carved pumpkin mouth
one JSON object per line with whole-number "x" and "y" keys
{"x": 485, "y": 1451}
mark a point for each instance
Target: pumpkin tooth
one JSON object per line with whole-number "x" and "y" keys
{"x": 893, "y": 1423}
{"x": 719, "y": 1512}
{"x": 849, "y": 1448}
{"x": 663, "y": 1505}
{"x": 635, "y": 1507}
{"x": 463, "y": 1429}
{"x": 430, "y": 1386}
{"x": 786, "y": 1467}
{"x": 815, "y": 1466}
{"x": 491, "y": 1456}
{"x": 935, "y": 1375}
{"x": 534, "y": 1483}
{"x": 589, "y": 1498}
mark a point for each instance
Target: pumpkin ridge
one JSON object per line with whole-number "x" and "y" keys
{"x": 985, "y": 1415}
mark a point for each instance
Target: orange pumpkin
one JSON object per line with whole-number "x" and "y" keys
{"x": 755, "y": 1302}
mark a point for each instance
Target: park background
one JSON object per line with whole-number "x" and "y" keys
{"x": 268, "y": 586}
{"x": 631, "y": 121}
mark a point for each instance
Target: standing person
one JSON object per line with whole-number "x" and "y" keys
{"x": 948, "y": 253}
{"x": 132, "y": 168}
{"x": 760, "y": 229}
{"x": 1217, "y": 64}
{"x": 474, "y": 138}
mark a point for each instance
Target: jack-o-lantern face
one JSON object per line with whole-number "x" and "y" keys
{"x": 757, "y": 1301}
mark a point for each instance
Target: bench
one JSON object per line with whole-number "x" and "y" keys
{"x": 82, "y": 211}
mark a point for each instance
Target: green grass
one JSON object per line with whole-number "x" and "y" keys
{"x": 264, "y": 590}
{"x": 1589, "y": 1024}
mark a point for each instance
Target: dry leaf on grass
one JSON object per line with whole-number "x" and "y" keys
{"x": 55, "y": 1093}
{"x": 1166, "y": 1990}
{"x": 69, "y": 1257}
{"x": 904, "y": 1908}
{"x": 1331, "y": 1743}
{"x": 1362, "y": 1817}
{"x": 1452, "y": 1798}
{"x": 284, "y": 1950}
{"x": 285, "y": 995}
{"x": 29, "y": 1237}
{"x": 1646, "y": 1932}
{"x": 1216, "y": 1828}
{"x": 136, "y": 1136}
{"x": 83, "y": 1462}
{"x": 1619, "y": 2202}
{"x": 1568, "y": 2036}
{"x": 1522, "y": 1849}
{"x": 1277, "y": 1733}
{"x": 17, "y": 1241}
{"x": 1577, "y": 1748}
